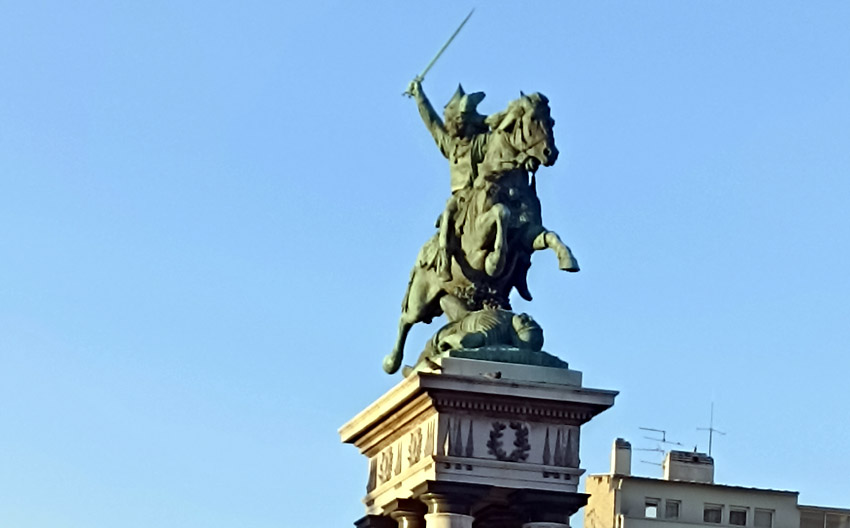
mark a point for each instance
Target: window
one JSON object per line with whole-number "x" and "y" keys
{"x": 811, "y": 519}
{"x": 763, "y": 518}
{"x": 738, "y": 516}
{"x": 837, "y": 520}
{"x": 651, "y": 508}
{"x": 671, "y": 510}
{"x": 713, "y": 513}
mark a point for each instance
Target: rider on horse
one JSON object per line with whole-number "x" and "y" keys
{"x": 462, "y": 139}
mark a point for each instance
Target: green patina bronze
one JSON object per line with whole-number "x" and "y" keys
{"x": 491, "y": 225}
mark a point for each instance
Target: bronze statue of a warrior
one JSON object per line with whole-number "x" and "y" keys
{"x": 492, "y": 222}
{"x": 490, "y": 227}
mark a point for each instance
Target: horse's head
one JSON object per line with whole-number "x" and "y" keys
{"x": 527, "y": 126}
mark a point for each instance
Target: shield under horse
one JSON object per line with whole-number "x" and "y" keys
{"x": 498, "y": 229}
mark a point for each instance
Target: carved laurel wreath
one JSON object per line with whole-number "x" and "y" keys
{"x": 521, "y": 445}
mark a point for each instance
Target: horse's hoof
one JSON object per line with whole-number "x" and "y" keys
{"x": 391, "y": 363}
{"x": 569, "y": 264}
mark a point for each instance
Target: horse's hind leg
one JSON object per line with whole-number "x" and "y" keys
{"x": 419, "y": 305}
{"x": 551, "y": 240}
{"x": 454, "y": 309}
{"x": 393, "y": 360}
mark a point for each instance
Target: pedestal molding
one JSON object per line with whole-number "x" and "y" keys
{"x": 449, "y": 431}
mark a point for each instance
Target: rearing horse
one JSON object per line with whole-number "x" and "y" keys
{"x": 498, "y": 228}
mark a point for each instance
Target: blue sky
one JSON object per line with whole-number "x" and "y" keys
{"x": 208, "y": 214}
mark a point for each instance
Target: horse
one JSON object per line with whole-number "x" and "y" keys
{"x": 498, "y": 228}
{"x": 521, "y": 140}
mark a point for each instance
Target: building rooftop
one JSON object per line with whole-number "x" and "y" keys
{"x": 694, "y": 483}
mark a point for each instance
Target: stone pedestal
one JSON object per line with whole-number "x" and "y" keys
{"x": 489, "y": 443}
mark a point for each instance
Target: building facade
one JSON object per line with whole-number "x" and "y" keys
{"x": 687, "y": 496}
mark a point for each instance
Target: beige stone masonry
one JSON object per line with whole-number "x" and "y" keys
{"x": 475, "y": 422}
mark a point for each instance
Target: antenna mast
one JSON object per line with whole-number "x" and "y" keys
{"x": 711, "y": 430}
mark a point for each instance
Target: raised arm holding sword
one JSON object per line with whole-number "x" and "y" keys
{"x": 462, "y": 139}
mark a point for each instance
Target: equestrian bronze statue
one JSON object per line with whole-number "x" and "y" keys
{"x": 491, "y": 225}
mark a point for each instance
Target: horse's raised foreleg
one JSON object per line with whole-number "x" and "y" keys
{"x": 494, "y": 264}
{"x": 551, "y": 240}
{"x": 485, "y": 246}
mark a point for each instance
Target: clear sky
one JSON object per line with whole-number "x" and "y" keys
{"x": 208, "y": 214}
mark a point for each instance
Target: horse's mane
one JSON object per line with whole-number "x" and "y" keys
{"x": 518, "y": 109}
{"x": 509, "y": 130}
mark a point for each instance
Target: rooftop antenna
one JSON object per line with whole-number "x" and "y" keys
{"x": 657, "y": 449}
{"x": 663, "y": 438}
{"x": 711, "y": 430}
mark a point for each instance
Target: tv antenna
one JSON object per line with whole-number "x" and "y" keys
{"x": 657, "y": 449}
{"x": 663, "y": 438}
{"x": 711, "y": 430}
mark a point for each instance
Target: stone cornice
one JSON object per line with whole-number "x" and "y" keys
{"x": 413, "y": 395}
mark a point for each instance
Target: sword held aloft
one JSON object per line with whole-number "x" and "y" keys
{"x": 421, "y": 77}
